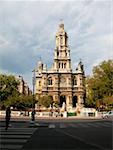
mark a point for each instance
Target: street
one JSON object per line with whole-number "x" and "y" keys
{"x": 57, "y": 134}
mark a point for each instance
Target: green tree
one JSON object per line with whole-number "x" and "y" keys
{"x": 21, "y": 102}
{"x": 45, "y": 101}
{"x": 8, "y": 87}
{"x": 100, "y": 84}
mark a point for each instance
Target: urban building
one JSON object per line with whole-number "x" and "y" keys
{"x": 23, "y": 88}
{"x": 61, "y": 82}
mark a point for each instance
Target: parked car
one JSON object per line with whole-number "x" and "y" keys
{"x": 109, "y": 114}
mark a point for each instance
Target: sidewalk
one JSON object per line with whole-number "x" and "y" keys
{"x": 51, "y": 118}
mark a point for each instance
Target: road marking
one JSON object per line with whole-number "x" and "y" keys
{"x": 79, "y": 125}
{"x": 103, "y": 124}
{"x": 82, "y": 140}
{"x": 11, "y": 147}
{"x": 14, "y": 138}
{"x": 18, "y": 129}
{"x": 62, "y": 126}
{"x": 108, "y": 123}
{"x": 5, "y": 141}
{"x": 89, "y": 124}
{"x": 93, "y": 125}
{"x": 51, "y": 126}
{"x": 73, "y": 125}
{"x": 83, "y": 125}
{"x": 15, "y": 133}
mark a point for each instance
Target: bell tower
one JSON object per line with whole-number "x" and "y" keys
{"x": 62, "y": 61}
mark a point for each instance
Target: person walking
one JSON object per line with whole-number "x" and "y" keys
{"x": 7, "y": 117}
{"x": 33, "y": 115}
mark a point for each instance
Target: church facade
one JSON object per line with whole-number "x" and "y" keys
{"x": 60, "y": 82}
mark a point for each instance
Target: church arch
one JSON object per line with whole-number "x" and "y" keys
{"x": 62, "y": 100}
{"x": 74, "y": 101}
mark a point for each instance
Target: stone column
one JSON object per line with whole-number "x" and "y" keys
{"x": 69, "y": 102}
{"x": 80, "y": 101}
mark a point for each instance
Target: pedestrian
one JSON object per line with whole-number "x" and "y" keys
{"x": 61, "y": 115}
{"x": 7, "y": 117}
{"x": 33, "y": 115}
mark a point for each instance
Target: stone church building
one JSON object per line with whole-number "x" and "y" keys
{"x": 60, "y": 82}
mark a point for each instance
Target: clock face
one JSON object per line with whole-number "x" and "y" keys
{"x": 63, "y": 80}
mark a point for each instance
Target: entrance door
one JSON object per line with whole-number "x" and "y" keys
{"x": 62, "y": 100}
{"x": 74, "y": 101}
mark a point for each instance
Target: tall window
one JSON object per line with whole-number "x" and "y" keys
{"x": 59, "y": 65}
{"x": 74, "y": 80}
{"x": 64, "y": 65}
{"x": 61, "y": 40}
{"x": 39, "y": 83}
{"x": 80, "y": 81}
{"x": 49, "y": 81}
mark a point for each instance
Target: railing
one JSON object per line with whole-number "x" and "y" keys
{"x": 65, "y": 88}
{"x": 78, "y": 88}
{"x": 50, "y": 88}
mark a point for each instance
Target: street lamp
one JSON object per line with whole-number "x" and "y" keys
{"x": 33, "y": 102}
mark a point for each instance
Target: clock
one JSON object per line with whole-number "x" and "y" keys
{"x": 63, "y": 80}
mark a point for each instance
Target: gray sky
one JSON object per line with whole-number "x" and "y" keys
{"x": 27, "y": 32}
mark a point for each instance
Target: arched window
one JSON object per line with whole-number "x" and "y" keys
{"x": 61, "y": 40}
{"x": 64, "y": 65}
{"x": 74, "y": 101}
{"x": 59, "y": 65}
{"x": 74, "y": 81}
{"x": 80, "y": 81}
{"x": 39, "y": 83}
{"x": 62, "y": 101}
{"x": 49, "y": 81}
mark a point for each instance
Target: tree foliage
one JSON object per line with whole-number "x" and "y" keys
{"x": 21, "y": 102}
{"x": 8, "y": 86}
{"x": 10, "y": 96}
{"x": 100, "y": 84}
{"x": 45, "y": 101}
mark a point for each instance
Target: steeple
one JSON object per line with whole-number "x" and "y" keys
{"x": 61, "y": 36}
{"x": 40, "y": 66}
{"x": 62, "y": 61}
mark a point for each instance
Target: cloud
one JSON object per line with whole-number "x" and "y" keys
{"x": 28, "y": 29}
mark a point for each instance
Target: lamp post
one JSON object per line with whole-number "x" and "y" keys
{"x": 33, "y": 103}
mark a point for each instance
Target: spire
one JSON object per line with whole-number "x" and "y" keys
{"x": 80, "y": 68}
{"x": 40, "y": 65}
{"x": 61, "y": 36}
{"x": 61, "y": 25}
{"x": 62, "y": 61}
{"x": 61, "y": 30}
{"x": 44, "y": 67}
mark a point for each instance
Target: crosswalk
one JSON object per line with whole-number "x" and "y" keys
{"x": 14, "y": 138}
{"x": 82, "y": 125}
{"x": 95, "y": 125}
